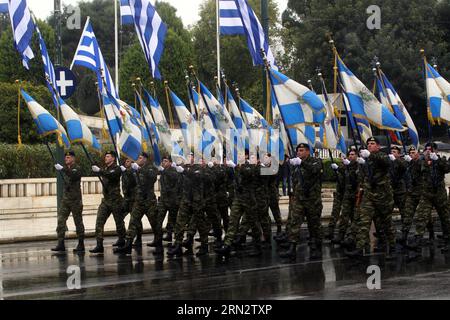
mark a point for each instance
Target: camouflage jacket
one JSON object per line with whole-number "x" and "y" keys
{"x": 72, "y": 183}
{"x": 375, "y": 173}
{"x": 111, "y": 181}
{"x": 307, "y": 178}
{"x": 414, "y": 177}
{"x": 145, "y": 179}
{"x": 433, "y": 173}
{"x": 170, "y": 181}
{"x": 128, "y": 184}
{"x": 398, "y": 175}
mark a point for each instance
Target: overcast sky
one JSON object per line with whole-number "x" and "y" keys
{"x": 186, "y": 9}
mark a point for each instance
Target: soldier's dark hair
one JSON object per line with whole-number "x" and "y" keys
{"x": 112, "y": 153}
{"x": 166, "y": 156}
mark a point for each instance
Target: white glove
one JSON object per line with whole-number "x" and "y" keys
{"x": 179, "y": 169}
{"x": 58, "y": 167}
{"x": 392, "y": 157}
{"x": 123, "y": 168}
{"x": 174, "y": 164}
{"x": 210, "y": 164}
{"x": 346, "y": 162}
{"x": 433, "y": 156}
{"x": 296, "y": 161}
{"x": 135, "y": 166}
{"x": 334, "y": 166}
{"x": 160, "y": 168}
{"x": 263, "y": 165}
{"x": 230, "y": 163}
{"x": 364, "y": 153}
{"x": 361, "y": 160}
{"x": 408, "y": 158}
{"x": 95, "y": 169}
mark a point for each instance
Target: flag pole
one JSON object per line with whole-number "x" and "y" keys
{"x": 116, "y": 47}
{"x": 429, "y": 115}
{"x": 218, "y": 39}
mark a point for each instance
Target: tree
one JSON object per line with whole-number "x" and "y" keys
{"x": 235, "y": 57}
{"x": 407, "y": 26}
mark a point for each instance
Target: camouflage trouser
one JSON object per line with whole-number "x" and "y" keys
{"x": 240, "y": 207}
{"x": 347, "y": 215}
{"x": 127, "y": 207}
{"x": 376, "y": 206}
{"x": 104, "y": 211}
{"x": 141, "y": 208}
{"x": 336, "y": 211}
{"x": 311, "y": 209}
{"x": 399, "y": 202}
{"x": 223, "y": 213}
{"x": 275, "y": 209}
{"x": 412, "y": 201}
{"x": 289, "y": 218}
{"x": 257, "y": 221}
{"x": 428, "y": 200}
{"x": 183, "y": 219}
{"x": 163, "y": 208}
{"x": 212, "y": 219}
{"x": 67, "y": 206}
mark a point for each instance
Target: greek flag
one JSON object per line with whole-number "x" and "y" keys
{"x": 77, "y": 130}
{"x": 4, "y": 6}
{"x": 45, "y": 122}
{"x": 229, "y": 18}
{"x": 130, "y": 140}
{"x": 278, "y": 124}
{"x": 112, "y": 116}
{"x": 23, "y": 28}
{"x": 438, "y": 94}
{"x": 89, "y": 55}
{"x": 330, "y": 133}
{"x": 256, "y": 37}
{"x": 125, "y": 13}
{"x": 151, "y": 32}
{"x": 256, "y": 125}
{"x": 364, "y": 104}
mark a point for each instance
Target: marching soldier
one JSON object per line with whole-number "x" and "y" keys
{"x": 398, "y": 179}
{"x": 111, "y": 202}
{"x": 274, "y": 199}
{"x": 144, "y": 204}
{"x": 377, "y": 199}
{"x": 338, "y": 196}
{"x": 71, "y": 202}
{"x": 307, "y": 201}
{"x": 434, "y": 168}
{"x": 221, "y": 188}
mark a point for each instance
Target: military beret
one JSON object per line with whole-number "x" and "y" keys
{"x": 412, "y": 148}
{"x": 112, "y": 153}
{"x": 433, "y": 145}
{"x": 394, "y": 147}
{"x": 373, "y": 139}
{"x": 303, "y": 145}
{"x": 70, "y": 153}
{"x": 166, "y": 156}
{"x": 144, "y": 154}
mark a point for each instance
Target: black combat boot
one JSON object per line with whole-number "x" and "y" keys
{"x": 176, "y": 250}
{"x": 138, "y": 242}
{"x": 348, "y": 244}
{"x": 390, "y": 251}
{"x": 203, "y": 250}
{"x": 188, "y": 242}
{"x": 99, "y": 248}
{"x": 60, "y": 246}
{"x": 355, "y": 253}
{"x": 338, "y": 239}
{"x": 119, "y": 243}
{"x": 256, "y": 250}
{"x": 239, "y": 241}
{"x": 315, "y": 251}
{"x": 125, "y": 249}
{"x": 159, "y": 249}
{"x": 404, "y": 239}
{"x": 224, "y": 251}
{"x": 80, "y": 246}
{"x": 281, "y": 238}
{"x": 291, "y": 253}
{"x": 416, "y": 244}
{"x": 279, "y": 232}
{"x": 168, "y": 237}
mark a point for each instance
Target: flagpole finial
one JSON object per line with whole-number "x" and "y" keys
{"x": 138, "y": 79}
{"x": 166, "y": 84}
{"x": 422, "y": 52}
{"x": 216, "y": 79}
{"x": 133, "y": 84}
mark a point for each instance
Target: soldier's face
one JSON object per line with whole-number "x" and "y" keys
{"x": 302, "y": 153}
{"x": 372, "y": 146}
{"x": 128, "y": 163}
{"x": 352, "y": 156}
{"x": 166, "y": 163}
{"x": 141, "y": 161}
{"x": 69, "y": 160}
{"x": 414, "y": 154}
{"x": 396, "y": 153}
{"x": 109, "y": 159}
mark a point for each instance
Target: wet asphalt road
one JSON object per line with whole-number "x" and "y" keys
{"x": 32, "y": 271}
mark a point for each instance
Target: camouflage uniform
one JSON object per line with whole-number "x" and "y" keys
{"x": 129, "y": 193}
{"x": 349, "y": 200}
{"x": 230, "y": 185}
{"x": 244, "y": 200}
{"x": 338, "y": 196}
{"x": 221, "y": 184}
{"x": 274, "y": 198}
{"x": 414, "y": 192}
{"x": 377, "y": 200}
{"x": 170, "y": 181}
{"x": 397, "y": 173}
{"x": 71, "y": 202}
{"x": 145, "y": 203}
{"x": 307, "y": 200}
{"x": 111, "y": 202}
{"x": 433, "y": 195}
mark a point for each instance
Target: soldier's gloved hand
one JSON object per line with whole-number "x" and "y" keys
{"x": 364, "y": 153}
{"x": 434, "y": 156}
{"x": 334, "y": 166}
{"x": 95, "y": 168}
{"x": 296, "y": 161}
{"x": 58, "y": 167}
{"x": 210, "y": 164}
{"x": 123, "y": 168}
{"x": 361, "y": 160}
{"x": 160, "y": 168}
{"x": 231, "y": 164}
{"x": 135, "y": 166}
{"x": 179, "y": 169}
{"x": 173, "y": 165}
{"x": 407, "y": 158}
{"x": 346, "y": 162}
{"x": 392, "y": 157}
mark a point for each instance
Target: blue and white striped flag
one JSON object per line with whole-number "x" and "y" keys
{"x": 229, "y": 18}
{"x": 23, "y": 28}
{"x": 151, "y": 32}
{"x": 45, "y": 122}
{"x": 363, "y": 102}
{"x": 438, "y": 94}
{"x": 77, "y": 130}
{"x": 4, "y": 6}
{"x": 112, "y": 116}
{"x": 90, "y": 56}
{"x": 256, "y": 37}
{"x": 125, "y": 13}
